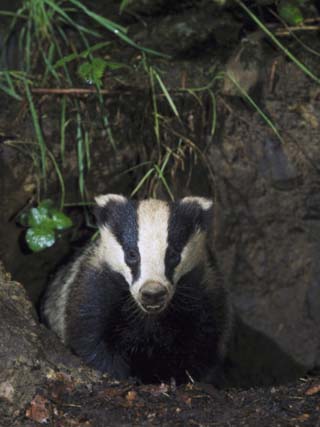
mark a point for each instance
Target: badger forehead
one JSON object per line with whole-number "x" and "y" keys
{"x": 153, "y": 219}
{"x": 153, "y": 224}
{"x": 149, "y": 227}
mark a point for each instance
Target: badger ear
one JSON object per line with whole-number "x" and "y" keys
{"x": 205, "y": 204}
{"x": 199, "y": 210}
{"x": 105, "y": 204}
{"x": 104, "y": 199}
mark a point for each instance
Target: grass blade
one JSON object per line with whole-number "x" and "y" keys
{"x": 286, "y": 51}
{"x": 166, "y": 94}
{"x": 9, "y": 89}
{"x": 123, "y": 5}
{"x": 164, "y": 181}
{"x": 38, "y": 131}
{"x": 156, "y": 125}
{"x": 47, "y": 58}
{"x": 87, "y": 149}
{"x": 116, "y": 29}
{"x": 254, "y": 105}
{"x": 28, "y": 47}
{"x": 80, "y": 156}
{"x": 104, "y": 22}
{"x": 142, "y": 181}
{"x": 54, "y": 6}
{"x": 11, "y": 14}
{"x": 60, "y": 178}
{"x": 214, "y": 112}
{"x": 63, "y": 125}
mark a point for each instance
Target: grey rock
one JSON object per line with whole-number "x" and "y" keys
{"x": 29, "y": 353}
{"x": 269, "y": 222}
{"x": 182, "y": 33}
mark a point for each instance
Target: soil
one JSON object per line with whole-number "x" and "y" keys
{"x": 297, "y": 404}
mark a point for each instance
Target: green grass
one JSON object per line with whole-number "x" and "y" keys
{"x": 38, "y": 132}
{"x": 10, "y": 81}
{"x": 45, "y": 47}
{"x": 42, "y": 26}
{"x": 214, "y": 112}
{"x": 166, "y": 93}
{"x": 123, "y": 5}
{"x": 158, "y": 172}
{"x": 63, "y": 126}
{"x": 80, "y": 157}
{"x": 60, "y": 178}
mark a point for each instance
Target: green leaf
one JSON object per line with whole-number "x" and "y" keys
{"x": 123, "y": 5}
{"x": 93, "y": 71}
{"x": 47, "y": 203}
{"x": 60, "y": 220}
{"x": 47, "y": 216}
{"x": 39, "y": 238}
{"x": 115, "y": 65}
{"x": 82, "y": 54}
{"x": 40, "y": 217}
{"x": 290, "y": 13}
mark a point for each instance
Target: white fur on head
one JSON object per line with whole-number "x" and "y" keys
{"x": 192, "y": 254}
{"x": 205, "y": 203}
{"x": 109, "y": 250}
{"x": 153, "y": 219}
{"x": 104, "y": 199}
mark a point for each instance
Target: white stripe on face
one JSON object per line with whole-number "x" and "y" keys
{"x": 192, "y": 255}
{"x": 111, "y": 252}
{"x": 153, "y": 219}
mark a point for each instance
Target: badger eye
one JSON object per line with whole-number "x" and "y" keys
{"x": 173, "y": 256}
{"x": 132, "y": 256}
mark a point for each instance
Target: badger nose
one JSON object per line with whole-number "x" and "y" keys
{"x": 153, "y": 293}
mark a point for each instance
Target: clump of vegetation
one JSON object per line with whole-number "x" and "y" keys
{"x": 44, "y": 27}
{"x": 290, "y": 12}
{"x": 45, "y": 223}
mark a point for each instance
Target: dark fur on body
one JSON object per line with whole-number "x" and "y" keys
{"x": 110, "y": 333}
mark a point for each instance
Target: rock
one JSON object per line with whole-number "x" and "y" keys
{"x": 29, "y": 353}
{"x": 269, "y": 221}
{"x": 277, "y": 166}
{"x": 244, "y": 66}
{"x": 191, "y": 29}
{"x": 145, "y": 7}
{"x": 148, "y": 7}
{"x": 19, "y": 347}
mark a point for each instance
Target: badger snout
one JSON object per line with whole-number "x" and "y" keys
{"x": 154, "y": 297}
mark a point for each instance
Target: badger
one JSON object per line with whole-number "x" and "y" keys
{"x": 146, "y": 299}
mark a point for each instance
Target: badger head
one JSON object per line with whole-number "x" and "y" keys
{"x": 152, "y": 243}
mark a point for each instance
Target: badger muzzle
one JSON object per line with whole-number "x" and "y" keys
{"x": 153, "y": 297}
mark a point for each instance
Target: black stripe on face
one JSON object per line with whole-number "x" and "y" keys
{"x": 185, "y": 219}
{"x": 121, "y": 218}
